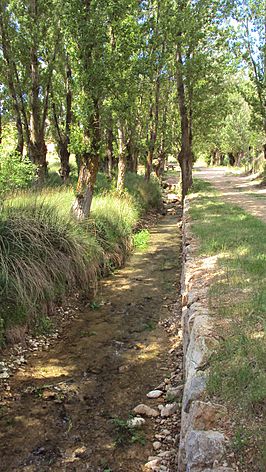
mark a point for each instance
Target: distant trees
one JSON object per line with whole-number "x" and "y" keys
{"x": 123, "y": 82}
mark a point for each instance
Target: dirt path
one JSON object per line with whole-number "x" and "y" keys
{"x": 58, "y": 413}
{"x": 238, "y": 190}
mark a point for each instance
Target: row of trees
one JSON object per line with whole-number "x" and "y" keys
{"x": 128, "y": 79}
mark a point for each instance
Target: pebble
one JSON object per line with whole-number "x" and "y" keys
{"x": 169, "y": 410}
{"x": 136, "y": 422}
{"x": 145, "y": 410}
{"x": 154, "y": 394}
{"x": 156, "y": 445}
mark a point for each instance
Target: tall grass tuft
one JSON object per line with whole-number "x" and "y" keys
{"x": 45, "y": 253}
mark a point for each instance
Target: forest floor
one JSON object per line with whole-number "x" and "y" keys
{"x": 66, "y": 408}
{"x": 237, "y": 189}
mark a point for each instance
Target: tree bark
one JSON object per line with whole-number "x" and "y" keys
{"x": 109, "y": 153}
{"x": 88, "y": 171}
{"x": 154, "y": 118}
{"x": 11, "y": 83}
{"x": 185, "y": 156}
{"x": 122, "y": 160}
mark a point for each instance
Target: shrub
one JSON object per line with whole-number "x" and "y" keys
{"x": 15, "y": 172}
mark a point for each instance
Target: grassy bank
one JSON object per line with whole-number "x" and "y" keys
{"x": 46, "y": 254}
{"x": 237, "y": 300}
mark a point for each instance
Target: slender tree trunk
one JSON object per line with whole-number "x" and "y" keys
{"x": 122, "y": 160}
{"x": 63, "y": 135}
{"x": 88, "y": 171}
{"x": 185, "y": 156}
{"x": 154, "y": 117}
{"x": 11, "y": 83}
{"x": 37, "y": 146}
{"x": 109, "y": 152}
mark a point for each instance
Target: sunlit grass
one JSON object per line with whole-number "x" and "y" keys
{"x": 237, "y": 371}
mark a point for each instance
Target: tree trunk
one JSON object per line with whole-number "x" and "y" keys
{"x": 185, "y": 156}
{"x": 122, "y": 161}
{"x": 64, "y": 160}
{"x": 11, "y": 82}
{"x": 37, "y": 146}
{"x": 154, "y": 117}
{"x": 109, "y": 153}
{"x": 88, "y": 171}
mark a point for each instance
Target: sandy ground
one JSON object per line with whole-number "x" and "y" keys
{"x": 236, "y": 189}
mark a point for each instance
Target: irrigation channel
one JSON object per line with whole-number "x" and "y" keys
{"x": 67, "y": 408}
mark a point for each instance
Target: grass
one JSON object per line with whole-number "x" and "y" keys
{"x": 141, "y": 240}
{"x": 46, "y": 254}
{"x": 126, "y": 434}
{"x": 237, "y": 299}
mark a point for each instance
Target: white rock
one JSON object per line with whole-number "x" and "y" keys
{"x": 169, "y": 410}
{"x": 4, "y": 375}
{"x": 153, "y": 465}
{"x": 145, "y": 410}
{"x": 136, "y": 422}
{"x": 154, "y": 394}
{"x": 156, "y": 445}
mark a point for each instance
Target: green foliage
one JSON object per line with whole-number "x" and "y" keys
{"x": 147, "y": 194}
{"x": 15, "y": 173}
{"x": 141, "y": 240}
{"x": 125, "y": 434}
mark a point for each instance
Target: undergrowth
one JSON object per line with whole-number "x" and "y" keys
{"x": 238, "y": 300}
{"x": 45, "y": 253}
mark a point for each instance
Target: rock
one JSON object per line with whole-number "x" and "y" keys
{"x": 194, "y": 389}
{"x": 145, "y": 410}
{"x": 156, "y": 445}
{"x": 153, "y": 465}
{"x": 154, "y": 394}
{"x": 169, "y": 410}
{"x": 136, "y": 422}
{"x": 205, "y": 416}
{"x": 174, "y": 392}
{"x": 4, "y": 375}
{"x": 203, "y": 448}
{"x": 219, "y": 469}
{"x": 165, "y": 454}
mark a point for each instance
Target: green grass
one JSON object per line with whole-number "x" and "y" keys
{"x": 141, "y": 240}
{"x": 46, "y": 254}
{"x": 125, "y": 434}
{"x": 238, "y": 300}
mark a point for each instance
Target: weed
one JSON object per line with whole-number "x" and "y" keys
{"x": 149, "y": 326}
{"x": 125, "y": 434}
{"x": 95, "y": 305}
{"x": 44, "y": 325}
{"x": 141, "y": 240}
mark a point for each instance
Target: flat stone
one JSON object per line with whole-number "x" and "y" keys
{"x": 206, "y": 416}
{"x": 219, "y": 469}
{"x": 193, "y": 390}
{"x": 154, "y": 394}
{"x": 202, "y": 448}
{"x": 169, "y": 410}
{"x": 145, "y": 410}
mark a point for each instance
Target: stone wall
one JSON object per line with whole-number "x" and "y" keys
{"x": 202, "y": 440}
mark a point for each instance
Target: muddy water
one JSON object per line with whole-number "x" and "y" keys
{"x": 63, "y": 403}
